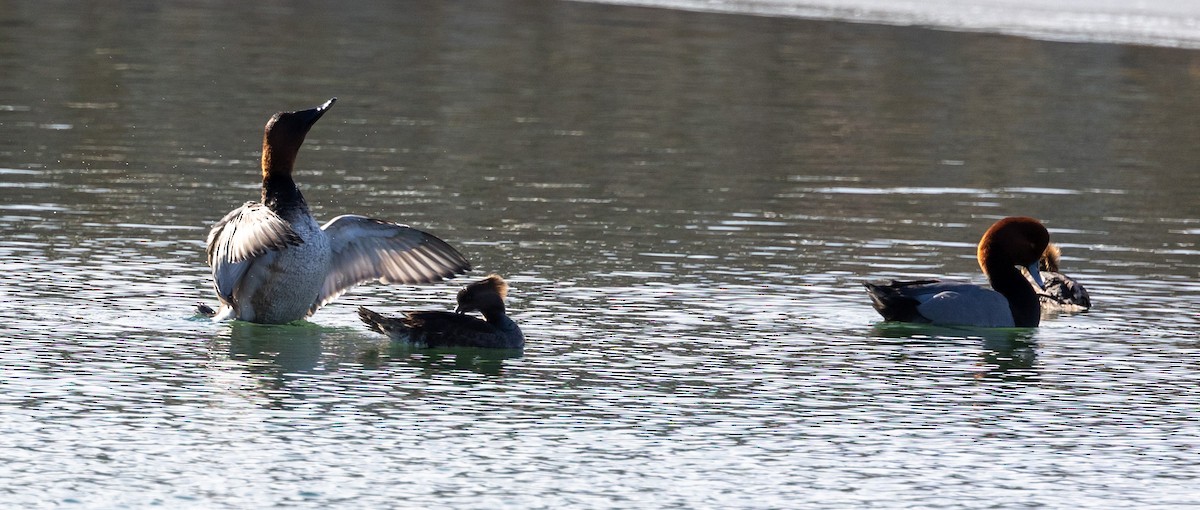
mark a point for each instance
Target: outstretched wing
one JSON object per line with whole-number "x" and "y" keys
{"x": 245, "y": 233}
{"x": 366, "y": 249}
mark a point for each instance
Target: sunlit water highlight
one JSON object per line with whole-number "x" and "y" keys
{"x": 1155, "y": 22}
{"x": 685, "y": 205}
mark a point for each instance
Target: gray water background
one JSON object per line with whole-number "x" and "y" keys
{"x": 685, "y": 205}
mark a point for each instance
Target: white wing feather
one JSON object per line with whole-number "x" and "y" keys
{"x": 366, "y": 249}
{"x": 242, "y": 235}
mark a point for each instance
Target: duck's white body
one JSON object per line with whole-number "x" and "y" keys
{"x": 958, "y": 303}
{"x": 278, "y": 285}
{"x": 273, "y": 264}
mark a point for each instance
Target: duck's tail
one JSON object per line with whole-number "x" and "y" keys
{"x": 889, "y": 300}
{"x": 377, "y": 322}
{"x": 205, "y": 310}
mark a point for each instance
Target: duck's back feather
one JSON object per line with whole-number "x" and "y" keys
{"x": 439, "y": 329}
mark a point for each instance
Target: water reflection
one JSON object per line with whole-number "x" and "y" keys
{"x": 265, "y": 362}
{"x": 272, "y": 354}
{"x": 432, "y": 361}
{"x": 286, "y": 349}
{"x": 1005, "y": 354}
{"x": 1010, "y": 359}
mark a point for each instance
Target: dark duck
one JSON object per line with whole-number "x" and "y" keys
{"x": 1060, "y": 293}
{"x": 456, "y": 329}
{"x": 1009, "y": 243}
{"x": 273, "y": 264}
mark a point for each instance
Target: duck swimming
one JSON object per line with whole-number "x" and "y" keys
{"x": 272, "y": 264}
{"x": 456, "y": 329}
{"x": 1061, "y": 293}
{"x": 1009, "y": 243}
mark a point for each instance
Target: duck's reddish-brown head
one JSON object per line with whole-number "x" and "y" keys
{"x": 1013, "y": 241}
{"x": 283, "y": 136}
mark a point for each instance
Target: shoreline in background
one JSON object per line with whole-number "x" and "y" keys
{"x": 1147, "y": 22}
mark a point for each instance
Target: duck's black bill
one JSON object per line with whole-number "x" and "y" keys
{"x": 311, "y": 116}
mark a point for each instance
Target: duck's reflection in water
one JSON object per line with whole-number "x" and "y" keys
{"x": 1006, "y": 354}
{"x": 262, "y": 361}
{"x": 282, "y": 349}
{"x": 302, "y": 347}
{"x": 1009, "y": 357}
{"x": 434, "y": 360}
{"x": 279, "y": 362}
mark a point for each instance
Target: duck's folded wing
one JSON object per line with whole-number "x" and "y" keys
{"x": 450, "y": 324}
{"x": 449, "y": 329}
{"x": 968, "y": 305}
{"x": 245, "y": 233}
{"x": 940, "y": 302}
{"x": 366, "y": 249}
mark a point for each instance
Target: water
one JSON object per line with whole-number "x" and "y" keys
{"x": 684, "y": 204}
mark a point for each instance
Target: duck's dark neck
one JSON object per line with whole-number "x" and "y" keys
{"x": 496, "y": 317}
{"x": 280, "y": 194}
{"x": 1022, "y": 300}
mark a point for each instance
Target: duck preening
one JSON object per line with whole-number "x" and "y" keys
{"x": 456, "y": 329}
{"x": 1009, "y": 243}
{"x": 273, "y": 264}
{"x": 1060, "y": 293}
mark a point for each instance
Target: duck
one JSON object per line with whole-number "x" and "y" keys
{"x": 1017, "y": 241}
{"x": 456, "y": 329}
{"x": 273, "y": 264}
{"x": 1060, "y": 293}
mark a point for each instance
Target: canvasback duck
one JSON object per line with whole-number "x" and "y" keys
{"x": 456, "y": 329}
{"x": 273, "y": 264}
{"x": 1061, "y": 293}
{"x": 1010, "y": 242}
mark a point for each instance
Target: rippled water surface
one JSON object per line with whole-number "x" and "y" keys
{"x": 685, "y": 205}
